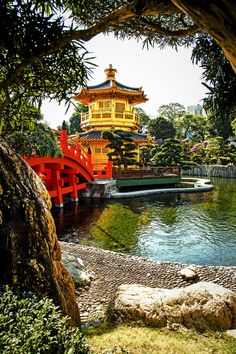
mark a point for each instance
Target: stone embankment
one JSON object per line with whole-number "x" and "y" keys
{"x": 211, "y": 171}
{"x": 110, "y": 270}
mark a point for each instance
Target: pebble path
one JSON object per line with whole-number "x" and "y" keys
{"x": 112, "y": 269}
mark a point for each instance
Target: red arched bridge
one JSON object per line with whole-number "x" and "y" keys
{"x": 69, "y": 174}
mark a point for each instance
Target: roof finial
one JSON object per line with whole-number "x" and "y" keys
{"x": 110, "y": 72}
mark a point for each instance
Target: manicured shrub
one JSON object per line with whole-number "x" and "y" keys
{"x": 29, "y": 326}
{"x": 224, "y": 160}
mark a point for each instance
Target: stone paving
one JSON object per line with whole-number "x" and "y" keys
{"x": 112, "y": 269}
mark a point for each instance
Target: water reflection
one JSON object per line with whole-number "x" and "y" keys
{"x": 190, "y": 228}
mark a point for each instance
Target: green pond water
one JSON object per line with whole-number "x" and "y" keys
{"x": 197, "y": 228}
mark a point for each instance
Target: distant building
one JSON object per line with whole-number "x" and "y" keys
{"x": 196, "y": 110}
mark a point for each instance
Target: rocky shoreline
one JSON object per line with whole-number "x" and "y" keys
{"x": 110, "y": 269}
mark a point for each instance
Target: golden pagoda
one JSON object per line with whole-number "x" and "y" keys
{"x": 110, "y": 106}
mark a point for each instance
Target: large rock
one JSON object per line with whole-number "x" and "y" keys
{"x": 203, "y": 305}
{"x": 77, "y": 269}
{"x": 30, "y": 254}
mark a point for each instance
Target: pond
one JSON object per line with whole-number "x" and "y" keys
{"x": 196, "y": 228}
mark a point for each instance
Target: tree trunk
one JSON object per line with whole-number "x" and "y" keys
{"x": 218, "y": 18}
{"x": 29, "y": 250}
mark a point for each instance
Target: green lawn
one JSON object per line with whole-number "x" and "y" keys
{"x": 143, "y": 340}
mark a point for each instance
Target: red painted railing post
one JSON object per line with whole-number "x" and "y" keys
{"x": 109, "y": 169}
{"x": 63, "y": 140}
{"x": 78, "y": 148}
{"x": 89, "y": 158}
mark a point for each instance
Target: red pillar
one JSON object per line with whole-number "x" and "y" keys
{"x": 73, "y": 179}
{"x": 109, "y": 169}
{"x": 57, "y": 184}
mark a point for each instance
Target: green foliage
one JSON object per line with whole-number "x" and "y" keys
{"x": 144, "y": 119}
{"x": 146, "y": 154}
{"x": 65, "y": 125}
{"x": 213, "y": 151}
{"x": 122, "y": 146}
{"x": 75, "y": 119}
{"x": 29, "y": 325}
{"x": 194, "y": 127}
{"x": 161, "y": 29}
{"x": 161, "y": 128}
{"x": 149, "y": 340}
{"x": 117, "y": 349}
{"x": 233, "y": 125}
{"x": 217, "y": 151}
{"x": 171, "y": 111}
{"x": 19, "y": 115}
{"x": 43, "y": 54}
{"x": 186, "y": 145}
{"x": 73, "y": 125}
{"x": 35, "y": 61}
{"x": 220, "y": 81}
{"x": 40, "y": 141}
{"x": 42, "y": 46}
{"x": 169, "y": 153}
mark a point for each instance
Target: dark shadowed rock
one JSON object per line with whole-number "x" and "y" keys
{"x": 29, "y": 250}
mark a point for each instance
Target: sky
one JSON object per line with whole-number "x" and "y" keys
{"x": 166, "y": 76}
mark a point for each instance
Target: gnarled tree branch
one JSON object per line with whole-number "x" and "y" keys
{"x": 218, "y": 18}
{"x": 130, "y": 10}
{"x": 157, "y": 28}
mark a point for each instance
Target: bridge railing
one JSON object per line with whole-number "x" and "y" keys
{"x": 102, "y": 170}
{"x": 71, "y": 148}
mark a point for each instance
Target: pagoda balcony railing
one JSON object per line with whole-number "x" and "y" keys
{"x": 84, "y": 116}
{"x": 113, "y": 117}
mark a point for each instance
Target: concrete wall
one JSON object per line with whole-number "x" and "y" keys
{"x": 211, "y": 171}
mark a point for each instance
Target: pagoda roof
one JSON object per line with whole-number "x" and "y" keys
{"x": 97, "y": 134}
{"x": 113, "y": 83}
{"x": 110, "y": 88}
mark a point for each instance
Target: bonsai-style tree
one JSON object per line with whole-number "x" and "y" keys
{"x": 218, "y": 152}
{"x": 146, "y": 154}
{"x": 122, "y": 146}
{"x": 161, "y": 128}
{"x": 169, "y": 153}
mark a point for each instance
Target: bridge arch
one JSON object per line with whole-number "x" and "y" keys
{"x": 67, "y": 175}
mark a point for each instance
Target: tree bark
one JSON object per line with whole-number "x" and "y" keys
{"x": 218, "y": 18}
{"x": 29, "y": 250}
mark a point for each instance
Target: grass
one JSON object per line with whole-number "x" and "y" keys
{"x": 143, "y": 340}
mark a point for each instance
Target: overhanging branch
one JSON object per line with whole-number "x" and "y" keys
{"x": 130, "y": 10}
{"x": 217, "y": 18}
{"x": 158, "y": 29}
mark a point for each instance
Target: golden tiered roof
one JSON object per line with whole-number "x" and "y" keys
{"x": 110, "y": 88}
